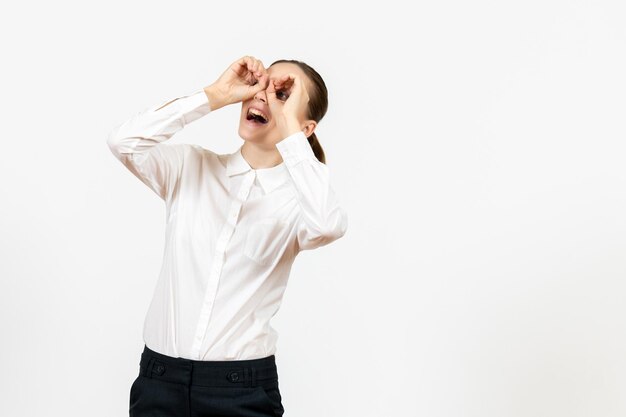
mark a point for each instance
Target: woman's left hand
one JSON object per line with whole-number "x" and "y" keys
{"x": 288, "y": 101}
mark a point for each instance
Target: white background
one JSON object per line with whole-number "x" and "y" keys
{"x": 478, "y": 148}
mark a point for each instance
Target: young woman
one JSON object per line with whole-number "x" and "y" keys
{"x": 234, "y": 225}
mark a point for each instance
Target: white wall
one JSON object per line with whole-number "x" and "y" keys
{"x": 478, "y": 148}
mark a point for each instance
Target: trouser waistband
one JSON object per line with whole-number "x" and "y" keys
{"x": 244, "y": 373}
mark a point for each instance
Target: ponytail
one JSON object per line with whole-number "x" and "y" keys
{"x": 317, "y": 148}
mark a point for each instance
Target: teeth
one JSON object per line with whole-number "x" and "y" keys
{"x": 259, "y": 113}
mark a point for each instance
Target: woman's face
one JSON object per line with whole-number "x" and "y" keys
{"x": 268, "y": 133}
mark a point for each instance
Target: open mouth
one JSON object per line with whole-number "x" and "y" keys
{"x": 256, "y": 116}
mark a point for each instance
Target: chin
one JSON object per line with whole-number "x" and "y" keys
{"x": 254, "y": 133}
{"x": 251, "y": 136}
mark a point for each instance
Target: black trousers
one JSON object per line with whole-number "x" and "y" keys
{"x": 178, "y": 387}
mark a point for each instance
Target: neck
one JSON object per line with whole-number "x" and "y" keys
{"x": 258, "y": 157}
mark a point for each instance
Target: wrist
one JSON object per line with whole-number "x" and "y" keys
{"x": 217, "y": 99}
{"x": 288, "y": 126}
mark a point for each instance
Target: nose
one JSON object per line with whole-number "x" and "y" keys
{"x": 261, "y": 96}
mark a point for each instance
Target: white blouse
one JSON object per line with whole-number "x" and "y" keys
{"x": 232, "y": 232}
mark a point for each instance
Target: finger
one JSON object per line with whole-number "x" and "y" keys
{"x": 261, "y": 71}
{"x": 288, "y": 79}
{"x": 300, "y": 89}
{"x": 259, "y": 66}
{"x": 287, "y": 83}
{"x": 284, "y": 77}
{"x": 271, "y": 87}
{"x": 258, "y": 70}
{"x": 261, "y": 84}
{"x": 251, "y": 75}
{"x": 243, "y": 66}
{"x": 271, "y": 90}
{"x": 299, "y": 84}
{"x": 240, "y": 65}
{"x": 255, "y": 66}
{"x": 248, "y": 62}
{"x": 280, "y": 86}
{"x": 262, "y": 67}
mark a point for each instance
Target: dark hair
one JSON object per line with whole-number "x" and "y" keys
{"x": 318, "y": 102}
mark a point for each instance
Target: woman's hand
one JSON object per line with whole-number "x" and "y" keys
{"x": 288, "y": 101}
{"x": 241, "y": 81}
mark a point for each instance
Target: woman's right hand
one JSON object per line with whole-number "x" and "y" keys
{"x": 241, "y": 81}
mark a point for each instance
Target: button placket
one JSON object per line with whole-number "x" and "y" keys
{"x": 217, "y": 261}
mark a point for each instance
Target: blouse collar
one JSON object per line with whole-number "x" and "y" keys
{"x": 269, "y": 178}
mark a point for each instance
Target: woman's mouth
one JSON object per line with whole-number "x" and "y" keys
{"x": 256, "y": 117}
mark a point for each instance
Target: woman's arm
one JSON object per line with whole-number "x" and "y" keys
{"x": 138, "y": 142}
{"x": 322, "y": 219}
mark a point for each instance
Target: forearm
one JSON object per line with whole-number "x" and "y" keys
{"x": 157, "y": 124}
{"x": 323, "y": 219}
{"x": 137, "y": 141}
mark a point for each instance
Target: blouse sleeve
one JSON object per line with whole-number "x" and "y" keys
{"x": 322, "y": 219}
{"x": 138, "y": 142}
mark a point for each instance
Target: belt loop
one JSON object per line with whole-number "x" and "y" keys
{"x": 253, "y": 376}
{"x": 246, "y": 378}
{"x": 149, "y": 367}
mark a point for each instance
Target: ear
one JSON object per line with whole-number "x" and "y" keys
{"x": 309, "y": 127}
